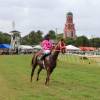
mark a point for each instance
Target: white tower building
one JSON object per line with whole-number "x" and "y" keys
{"x": 15, "y": 38}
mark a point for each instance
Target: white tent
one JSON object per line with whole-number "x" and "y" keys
{"x": 25, "y": 47}
{"x": 37, "y": 47}
{"x": 71, "y": 47}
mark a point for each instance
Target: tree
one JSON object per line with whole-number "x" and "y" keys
{"x": 39, "y": 36}
{"x": 1, "y": 37}
{"x": 82, "y": 41}
{"x": 5, "y": 38}
{"x": 52, "y": 34}
{"x": 59, "y": 36}
{"x": 69, "y": 41}
{"x": 95, "y": 42}
{"x": 32, "y": 38}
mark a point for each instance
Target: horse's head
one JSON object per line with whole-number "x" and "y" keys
{"x": 60, "y": 46}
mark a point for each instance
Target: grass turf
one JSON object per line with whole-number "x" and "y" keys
{"x": 73, "y": 79}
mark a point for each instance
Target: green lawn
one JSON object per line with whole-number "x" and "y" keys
{"x": 73, "y": 79}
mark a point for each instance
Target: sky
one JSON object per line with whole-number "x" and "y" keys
{"x": 45, "y": 15}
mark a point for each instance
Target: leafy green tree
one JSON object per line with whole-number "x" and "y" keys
{"x": 32, "y": 38}
{"x": 70, "y": 41}
{"x": 52, "y": 34}
{"x": 59, "y": 36}
{"x": 82, "y": 41}
{"x": 1, "y": 37}
{"x": 39, "y": 36}
{"x": 95, "y": 42}
{"x": 5, "y": 38}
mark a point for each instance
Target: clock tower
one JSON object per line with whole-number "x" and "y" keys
{"x": 69, "y": 29}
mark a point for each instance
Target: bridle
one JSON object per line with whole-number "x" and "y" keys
{"x": 59, "y": 48}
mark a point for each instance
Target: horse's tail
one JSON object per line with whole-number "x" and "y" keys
{"x": 34, "y": 60}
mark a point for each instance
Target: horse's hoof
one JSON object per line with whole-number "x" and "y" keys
{"x": 45, "y": 83}
{"x": 37, "y": 79}
{"x": 31, "y": 81}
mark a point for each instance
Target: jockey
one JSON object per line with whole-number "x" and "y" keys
{"x": 46, "y": 46}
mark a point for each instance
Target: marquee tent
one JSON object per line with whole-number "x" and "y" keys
{"x": 25, "y": 47}
{"x": 37, "y": 47}
{"x": 87, "y": 48}
{"x": 71, "y": 47}
{"x": 5, "y": 46}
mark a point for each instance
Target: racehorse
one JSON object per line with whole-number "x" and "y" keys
{"x": 49, "y": 62}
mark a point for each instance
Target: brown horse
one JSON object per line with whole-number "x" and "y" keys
{"x": 49, "y": 62}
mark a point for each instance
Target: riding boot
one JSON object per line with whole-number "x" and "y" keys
{"x": 43, "y": 57}
{"x": 43, "y": 64}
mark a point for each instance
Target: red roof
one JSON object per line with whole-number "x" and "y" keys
{"x": 87, "y": 48}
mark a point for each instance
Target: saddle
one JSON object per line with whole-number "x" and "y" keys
{"x": 44, "y": 55}
{"x": 41, "y": 57}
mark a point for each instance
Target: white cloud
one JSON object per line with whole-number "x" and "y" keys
{"x": 49, "y": 14}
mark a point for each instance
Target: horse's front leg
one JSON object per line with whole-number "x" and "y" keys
{"x": 48, "y": 76}
{"x": 39, "y": 70}
{"x": 32, "y": 73}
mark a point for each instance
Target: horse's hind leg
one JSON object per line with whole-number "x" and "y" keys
{"x": 49, "y": 71}
{"x": 48, "y": 76}
{"x": 32, "y": 73}
{"x": 39, "y": 70}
